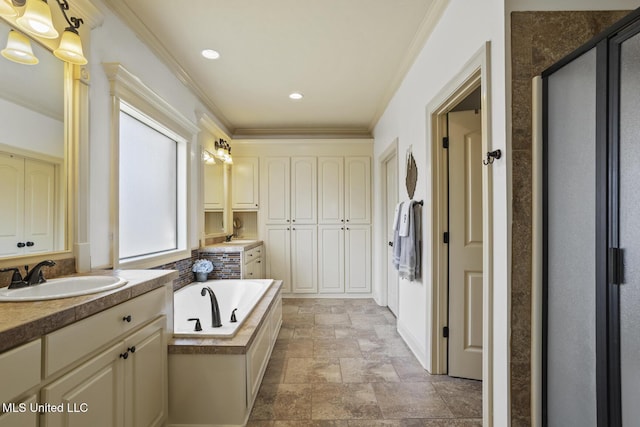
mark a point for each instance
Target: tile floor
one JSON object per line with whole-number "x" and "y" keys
{"x": 341, "y": 363}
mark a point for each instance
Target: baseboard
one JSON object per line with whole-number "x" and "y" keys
{"x": 413, "y": 344}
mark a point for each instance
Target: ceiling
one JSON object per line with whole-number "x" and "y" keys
{"x": 347, "y": 57}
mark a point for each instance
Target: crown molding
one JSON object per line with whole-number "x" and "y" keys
{"x": 209, "y": 124}
{"x": 425, "y": 29}
{"x": 303, "y": 133}
{"x": 128, "y": 16}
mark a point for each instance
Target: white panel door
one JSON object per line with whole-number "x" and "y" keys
{"x": 278, "y": 254}
{"x": 214, "y": 186}
{"x": 304, "y": 258}
{"x": 275, "y": 181}
{"x": 244, "y": 183}
{"x": 390, "y": 201}
{"x": 358, "y": 258}
{"x": 357, "y": 191}
{"x": 465, "y": 245}
{"x": 331, "y": 258}
{"x": 39, "y": 206}
{"x": 12, "y": 212}
{"x": 304, "y": 190}
{"x": 331, "y": 190}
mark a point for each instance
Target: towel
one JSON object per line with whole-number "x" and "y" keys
{"x": 407, "y": 250}
{"x": 396, "y": 237}
{"x": 404, "y": 218}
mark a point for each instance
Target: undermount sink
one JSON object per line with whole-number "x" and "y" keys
{"x": 63, "y": 288}
{"x": 239, "y": 242}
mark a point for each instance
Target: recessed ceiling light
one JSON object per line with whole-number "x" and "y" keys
{"x": 296, "y": 95}
{"x": 210, "y": 54}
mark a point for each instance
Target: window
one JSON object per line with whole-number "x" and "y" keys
{"x": 148, "y": 184}
{"x": 152, "y": 146}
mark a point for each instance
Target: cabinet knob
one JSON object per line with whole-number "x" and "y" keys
{"x": 293, "y": 220}
{"x": 21, "y": 245}
{"x": 347, "y": 220}
{"x": 124, "y": 355}
{"x": 294, "y": 229}
{"x": 258, "y": 261}
{"x": 127, "y": 318}
{"x": 287, "y": 220}
{"x": 29, "y": 244}
{"x": 288, "y": 228}
{"x": 132, "y": 349}
{"x": 342, "y": 220}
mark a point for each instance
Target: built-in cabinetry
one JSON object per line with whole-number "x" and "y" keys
{"x": 28, "y": 193}
{"x": 106, "y": 370}
{"x": 290, "y": 213}
{"x": 317, "y": 219}
{"x": 213, "y": 186}
{"x": 244, "y": 183}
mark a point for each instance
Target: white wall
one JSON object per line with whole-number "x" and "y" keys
{"x": 115, "y": 42}
{"x": 464, "y": 28}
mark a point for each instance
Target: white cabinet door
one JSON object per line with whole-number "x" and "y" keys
{"x": 304, "y": 258}
{"x": 331, "y": 258}
{"x": 39, "y": 206}
{"x": 304, "y": 196}
{"x": 22, "y": 416}
{"x": 275, "y": 180}
{"x": 358, "y": 258}
{"x": 358, "y": 190}
{"x": 244, "y": 183}
{"x": 213, "y": 186}
{"x": 146, "y": 376}
{"x": 98, "y": 384}
{"x": 253, "y": 269}
{"x": 12, "y": 212}
{"x": 278, "y": 251}
{"x": 330, "y": 190}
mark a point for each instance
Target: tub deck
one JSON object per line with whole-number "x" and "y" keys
{"x": 240, "y": 342}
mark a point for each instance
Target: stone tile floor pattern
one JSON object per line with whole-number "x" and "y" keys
{"x": 341, "y": 363}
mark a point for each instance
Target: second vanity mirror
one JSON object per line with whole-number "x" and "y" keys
{"x": 33, "y": 216}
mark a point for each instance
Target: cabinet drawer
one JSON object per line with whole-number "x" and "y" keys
{"x": 20, "y": 370}
{"x": 65, "y": 346}
{"x": 22, "y": 415}
{"x": 252, "y": 254}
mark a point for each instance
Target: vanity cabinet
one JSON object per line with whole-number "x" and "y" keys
{"x": 20, "y": 370}
{"x": 125, "y": 384}
{"x": 253, "y": 263}
{"x": 27, "y": 189}
{"x": 245, "y": 183}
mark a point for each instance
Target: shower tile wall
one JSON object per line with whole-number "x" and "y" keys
{"x": 538, "y": 39}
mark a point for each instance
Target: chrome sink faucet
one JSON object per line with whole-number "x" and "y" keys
{"x": 215, "y": 310}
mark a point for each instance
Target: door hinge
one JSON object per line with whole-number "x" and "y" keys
{"x": 445, "y": 237}
{"x": 445, "y": 142}
{"x": 445, "y": 332}
{"x": 616, "y": 266}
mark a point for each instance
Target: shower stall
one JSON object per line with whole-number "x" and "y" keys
{"x": 591, "y": 232}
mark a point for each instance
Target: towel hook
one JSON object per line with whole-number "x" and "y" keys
{"x": 491, "y": 156}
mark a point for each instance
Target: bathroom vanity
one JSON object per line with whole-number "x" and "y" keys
{"x": 98, "y": 359}
{"x": 238, "y": 259}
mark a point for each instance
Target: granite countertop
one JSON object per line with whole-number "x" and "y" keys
{"x": 241, "y": 245}
{"x": 21, "y": 322}
{"x": 240, "y": 342}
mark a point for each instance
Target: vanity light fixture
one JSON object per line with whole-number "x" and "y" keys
{"x": 19, "y": 49}
{"x": 223, "y": 151}
{"x": 37, "y": 20}
{"x": 208, "y": 157}
{"x": 7, "y": 9}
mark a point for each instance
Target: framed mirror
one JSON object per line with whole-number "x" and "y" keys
{"x": 33, "y": 174}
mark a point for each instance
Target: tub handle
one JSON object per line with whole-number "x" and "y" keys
{"x": 233, "y": 316}
{"x": 198, "y": 325}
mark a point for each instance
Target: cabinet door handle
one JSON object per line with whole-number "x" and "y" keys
{"x": 21, "y": 245}
{"x": 127, "y": 318}
{"x": 288, "y": 228}
{"x": 132, "y": 349}
{"x": 124, "y": 355}
{"x": 294, "y": 229}
{"x": 258, "y": 262}
{"x": 29, "y": 244}
{"x": 347, "y": 220}
{"x": 293, "y": 220}
{"x": 287, "y": 220}
{"x": 342, "y": 220}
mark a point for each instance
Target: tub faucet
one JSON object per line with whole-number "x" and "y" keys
{"x": 215, "y": 310}
{"x": 35, "y": 276}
